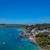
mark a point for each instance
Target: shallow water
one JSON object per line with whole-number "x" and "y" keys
{"x": 9, "y": 40}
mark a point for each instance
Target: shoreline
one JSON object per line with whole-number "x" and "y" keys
{"x": 33, "y": 39}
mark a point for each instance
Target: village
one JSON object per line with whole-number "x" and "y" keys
{"x": 40, "y": 36}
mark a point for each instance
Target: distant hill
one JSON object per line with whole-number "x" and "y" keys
{"x": 39, "y": 26}
{"x": 11, "y": 25}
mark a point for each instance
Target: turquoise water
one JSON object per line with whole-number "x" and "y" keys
{"x": 9, "y": 40}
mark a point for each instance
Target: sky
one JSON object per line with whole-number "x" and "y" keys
{"x": 24, "y": 11}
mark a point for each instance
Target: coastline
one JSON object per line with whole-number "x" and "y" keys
{"x": 32, "y": 36}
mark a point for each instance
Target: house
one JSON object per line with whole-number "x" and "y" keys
{"x": 35, "y": 32}
{"x": 45, "y": 30}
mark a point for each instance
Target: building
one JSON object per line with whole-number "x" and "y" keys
{"x": 35, "y": 32}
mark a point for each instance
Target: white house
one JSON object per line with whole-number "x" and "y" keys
{"x": 43, "y": 31}
{"x": 35, "y": 32}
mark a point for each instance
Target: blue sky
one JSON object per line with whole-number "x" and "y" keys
{"x": 24, "y": 11}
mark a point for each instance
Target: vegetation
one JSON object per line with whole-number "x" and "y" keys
{"x": 43, "y": 40}
{"x": 38, "y": 26}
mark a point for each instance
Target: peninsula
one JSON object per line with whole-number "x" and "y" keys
{"x": 39, "y": 33}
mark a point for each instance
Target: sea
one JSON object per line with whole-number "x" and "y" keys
{"x": 10, "y": 40}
